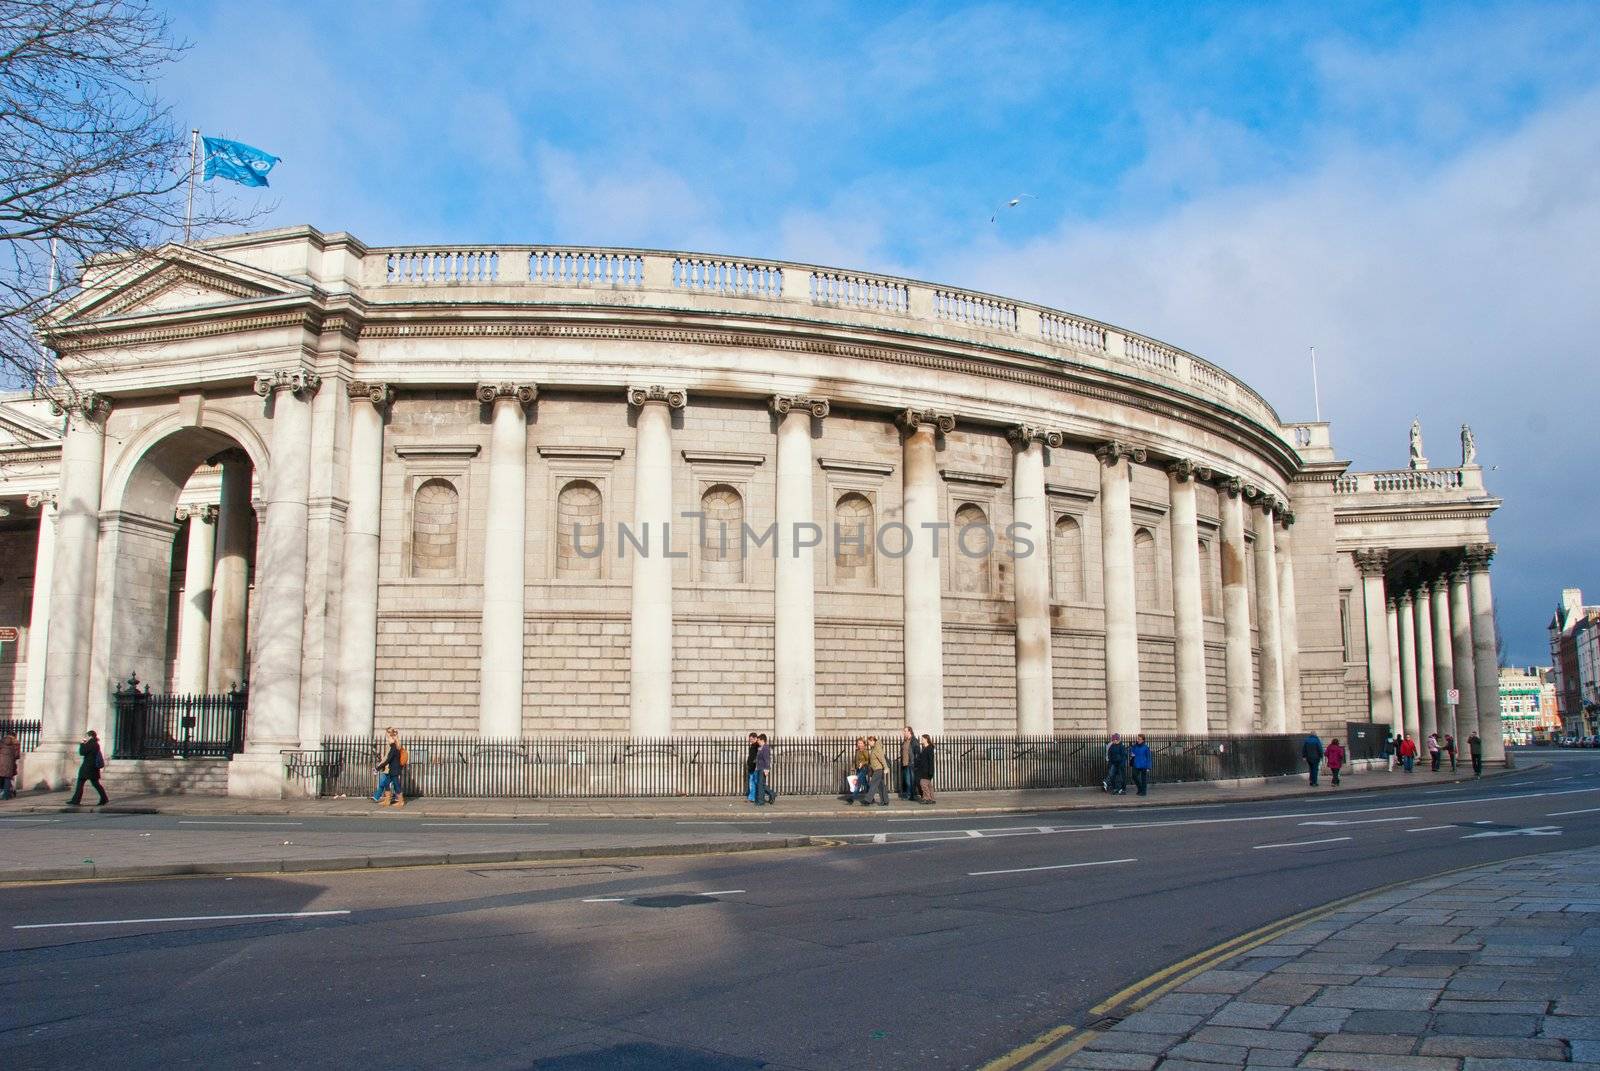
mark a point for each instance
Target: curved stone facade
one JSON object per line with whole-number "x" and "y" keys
{"x": 524, "y": 490}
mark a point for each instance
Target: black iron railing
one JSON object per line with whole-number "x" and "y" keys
{"x": 150, "y": 726}
{"x": 27, "y": 731}
{"x": 585, "y": 766}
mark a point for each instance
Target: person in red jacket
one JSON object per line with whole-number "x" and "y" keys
{"x": 1408, "y": 753}
{"x": 1335, "y": 759}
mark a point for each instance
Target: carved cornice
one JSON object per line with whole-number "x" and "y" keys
{"x": 105, "y": 338}
{"x": 784, "y": 403}
{"x": 39, "y": 499}
{"x": 671, "y": 397}
{"x": 1184, "y": 470}
{"x": 296, "y": 380}
{"x": 909, "y": 420}
{"x": 205, "y": 512}
{"x": 524, "y": 393}
{"x": 85, "y": 403}
{"x": 1116, "y": 450}
{"x": 379, "y": 394}
{"x": 1023, "y": 436}
{"x": 1372, "y": 561}
{"x": 1478, "y": 556}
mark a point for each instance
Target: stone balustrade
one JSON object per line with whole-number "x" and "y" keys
{"x": 1411, "y": 481}
{"x": 692, "y": 278}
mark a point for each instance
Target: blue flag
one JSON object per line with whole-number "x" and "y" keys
{"x": 237, "y": 162}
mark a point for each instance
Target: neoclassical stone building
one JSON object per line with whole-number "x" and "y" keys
{"x": 527, "y": 490}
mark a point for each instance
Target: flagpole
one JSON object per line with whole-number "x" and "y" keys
{"x": 194, "y": 156}
{"x": 1316, "y": 396}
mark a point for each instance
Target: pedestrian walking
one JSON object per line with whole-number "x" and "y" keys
{"x": 763, "y": 785}
{"x": 1139, "y": 755}
{"x": 877, "y": 772}
{"x": 925, "y": 769}
{"x": 1116, "y": 766}
{"x": 1450, "y": 749}
{"x": 862, "y": 765}
{"x": 1311, "y": 751}
{"x": 10, "y": 762}
{"x": 91, "y": 761}
{"x": 1408, "y": 753}
{"x": 391, "y": 792}
{"x": 1387, "y": 749}
{"x": 1335, "y": 757}
{"x": 1433, "y": 751}
{"x": 750, "y": 768}
{"x": 1475, "y": 751}
{"x": 909, "y": 747}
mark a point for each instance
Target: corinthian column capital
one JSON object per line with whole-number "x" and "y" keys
{"x": 1023, "y": 436}
{"x": 43, "y": 500}
{"x": 379, "y": 394}
{"x": 295, "y": 380}
{"x": 86, "y": 403}
{"x": 1478, "y": 556}
{"x": 784, "y": 403}
{"x": 524, "y": 393}
{"x": 911, "y": 419}
{"x": 1372, "y": 561}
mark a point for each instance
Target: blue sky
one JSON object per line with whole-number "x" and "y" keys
{"x": 1412, "y": 188}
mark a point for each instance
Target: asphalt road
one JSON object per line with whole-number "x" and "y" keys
{"x": 922, "y": 941}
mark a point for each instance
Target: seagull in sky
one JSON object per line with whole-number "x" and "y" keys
{"x": 1012, "y": 203}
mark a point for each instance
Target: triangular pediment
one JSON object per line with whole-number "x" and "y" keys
{"x": 24, "y": 422}
{"x": 172, "y": 279}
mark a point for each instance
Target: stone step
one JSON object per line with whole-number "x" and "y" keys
{"x": 174, "y": 777}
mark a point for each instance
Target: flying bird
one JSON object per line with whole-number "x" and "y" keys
{"x": 1012, "y": 203}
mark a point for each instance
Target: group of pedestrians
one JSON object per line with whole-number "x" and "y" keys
{"x": 1403, "y": 751}
{"x": 868, "y": 781}
{"x": 758, "y": 771}
{"x": 1119, "y": 758}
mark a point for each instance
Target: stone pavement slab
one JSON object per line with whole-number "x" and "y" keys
{"x": 1474, "y": 1008}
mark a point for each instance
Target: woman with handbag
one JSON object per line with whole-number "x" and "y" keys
{"x": 92, "y": 761}
{"x": 924, "y": 764}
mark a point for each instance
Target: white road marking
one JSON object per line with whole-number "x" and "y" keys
{"x": 1427, "y": 829}
{"x": 1527, "y": 831}
{"x": 509, "y": 823}
{"x": 606, "y": 900}
{"x": 181, "y": 918}
{"x": 719, "y": 892}
{"x": 1301, "y": 843}
{"x": 27, "y": 819}
{"x": 724, "y": 822}
{"x": 1360, "y": 821}
{"x": 1058, "y": 866}
{"x": 220, "y": 822}
{"x": 1586, "y": 810}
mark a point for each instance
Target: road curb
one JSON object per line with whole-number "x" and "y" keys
{"x": 89, "y": 871}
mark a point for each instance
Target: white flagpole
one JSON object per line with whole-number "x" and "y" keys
{"x": 52, "y": 289}
{"x": 1316, "y": 396}
{"x": 194, "y": 156}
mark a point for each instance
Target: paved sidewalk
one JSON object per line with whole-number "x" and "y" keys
{"x": 1492, "y": 969}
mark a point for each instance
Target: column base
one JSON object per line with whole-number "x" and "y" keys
{"x": 52, "y": 765}
{"x": 259, "y": 774}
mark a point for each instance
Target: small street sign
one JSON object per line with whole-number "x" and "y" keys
{"x": 1453, "y": 696}
{"x": 9, "y": 634}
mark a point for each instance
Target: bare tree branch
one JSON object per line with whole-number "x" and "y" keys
{"x": 89, "y": 156}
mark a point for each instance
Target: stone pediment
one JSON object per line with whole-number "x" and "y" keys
{"x": 19, "y": 429}
{"x": 172, "y": 279}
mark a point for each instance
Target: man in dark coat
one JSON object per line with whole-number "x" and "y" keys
{"x": 1312, "y": 751}
{"x": 1116, "y": 766}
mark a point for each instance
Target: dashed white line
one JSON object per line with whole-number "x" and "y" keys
{"x": 719, "y": 892}
{"x": 606, "y": 900}
{"x": 1428, "y": 829}
{"x": 509, "y": 823}
{"x": 1301, "y": 843}
{"x": 181, "y": 918}
{"x": 1359, "y": 821}
{"x": 27, "y": 819}
{"x": 1586, "y": 810}
{"x": 220, "y": 822}
{"x": 1057, "y": 866}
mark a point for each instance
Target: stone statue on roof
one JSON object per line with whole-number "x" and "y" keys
{"x": 1469, "y": 447}
{"x": 1417, "y": 460}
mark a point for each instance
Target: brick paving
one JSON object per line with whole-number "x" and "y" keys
{"x": 1492, "y": 969}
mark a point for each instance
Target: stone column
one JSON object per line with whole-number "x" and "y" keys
{"x": 922, "y": 589}
{"x": 1035, "y": 680}
{"x": 794, "y": 618}
{"x": 1189, "y": 649}
{"x": 228, "y": 664}
{"x": 1392, "y": 620}
{"x": 1289, "y": 624}
{"x": 39, "y": 615}
{"x": 65, "y": 707}
{"x": 274, "y": 720}
{"x": 505, "y": 553}
{"x": 1427, "y": 708}
{"x": 1380, "y": 674}
{"x": 651, "y": 652}
{"x": 1121, "y": 611}
{"x": 1444, "y": 666}
{"x": 1274, "y": 713}
{"x": 1485, "y": 652}
{"x": 1466, "y": 680}
{"x": 1236, "y": 611}
{"x": 1405, "y": 618}
{"x": 194, "y": 623}
{"x": 358, "y": 604}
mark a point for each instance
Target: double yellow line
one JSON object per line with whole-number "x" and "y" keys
{"x": 1056, "y": 1044}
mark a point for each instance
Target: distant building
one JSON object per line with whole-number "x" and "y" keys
{"x": 1528, "y": 702}
{"x": 1575, "y": 661}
